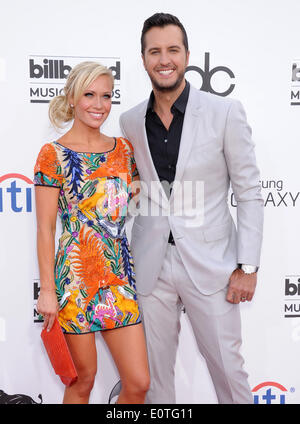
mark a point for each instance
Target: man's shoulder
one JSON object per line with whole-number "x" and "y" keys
{"x": 204, "y": 97}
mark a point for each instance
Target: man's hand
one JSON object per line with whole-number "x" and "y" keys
{"x": 241, "y": 286}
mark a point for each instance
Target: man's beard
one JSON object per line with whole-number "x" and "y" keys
{"x": 170, "y": 88}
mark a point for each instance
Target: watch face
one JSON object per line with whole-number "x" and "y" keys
{"x": 249, "y": 269}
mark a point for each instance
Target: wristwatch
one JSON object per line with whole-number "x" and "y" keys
{"x": 248, "y": 269}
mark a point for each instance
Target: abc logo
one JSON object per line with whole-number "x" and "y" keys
{"x": 207, "y": 75}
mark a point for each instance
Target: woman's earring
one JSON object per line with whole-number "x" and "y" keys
{"x": 71, "y": 105}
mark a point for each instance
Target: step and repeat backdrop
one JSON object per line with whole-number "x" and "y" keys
{"x": 244, "y": 49}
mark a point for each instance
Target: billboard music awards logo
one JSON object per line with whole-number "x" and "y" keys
{"x": 213, "y": 80}
{"x": 47, "y": 75}
{"x": 270, "y": 392}
{"x": 292, "y": 296}
{"x": 15, "y": 193}
{"x": 295, "y": 86}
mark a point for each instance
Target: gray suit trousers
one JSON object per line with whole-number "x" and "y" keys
{"x": 216, "y": 325}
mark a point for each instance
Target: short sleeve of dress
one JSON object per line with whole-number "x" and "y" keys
{"x": 47, "y": 170}
{"x": 133, "y": 167}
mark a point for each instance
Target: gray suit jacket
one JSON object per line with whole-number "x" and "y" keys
{"x": 216, "y": 149}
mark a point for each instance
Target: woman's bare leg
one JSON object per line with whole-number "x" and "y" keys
{"x": 84, "y": 354}
{"x": 128, "y": 348}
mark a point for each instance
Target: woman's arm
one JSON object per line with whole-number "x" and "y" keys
{"x": 46, "y": 199}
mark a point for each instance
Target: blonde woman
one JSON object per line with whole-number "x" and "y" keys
{"x": 85, "y": 177}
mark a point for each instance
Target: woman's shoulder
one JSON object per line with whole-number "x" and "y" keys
{"x": 48, "y": 166}
{"x": 48, "y": 149}
{"x": 48, "y": 154}
{"x": 125, "y": 143}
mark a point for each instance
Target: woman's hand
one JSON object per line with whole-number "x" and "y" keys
{"x": 47, "y": 306}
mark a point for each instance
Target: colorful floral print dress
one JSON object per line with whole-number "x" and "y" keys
{"x": 94, "y": 272}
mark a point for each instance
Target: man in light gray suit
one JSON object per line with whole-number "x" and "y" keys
{"x": 186, "y": 248}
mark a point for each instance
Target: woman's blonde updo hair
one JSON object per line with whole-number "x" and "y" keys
{"x": 79, "y": 79}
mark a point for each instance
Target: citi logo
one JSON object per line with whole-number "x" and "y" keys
{"x": 15, "y": 193}
{"x": 270, "y": 392}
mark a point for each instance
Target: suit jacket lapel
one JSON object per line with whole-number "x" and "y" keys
{"x": 143, "y": 156}
{"x": 191, "y": 126}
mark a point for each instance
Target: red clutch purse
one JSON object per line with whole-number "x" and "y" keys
{"x": 59, "y": 353}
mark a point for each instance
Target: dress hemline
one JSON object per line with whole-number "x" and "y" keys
{"x": 102, "y": 329}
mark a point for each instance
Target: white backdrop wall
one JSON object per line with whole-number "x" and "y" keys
{"x": 258, "y": 42}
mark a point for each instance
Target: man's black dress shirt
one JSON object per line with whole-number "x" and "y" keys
{"x": 164, "y": 144}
